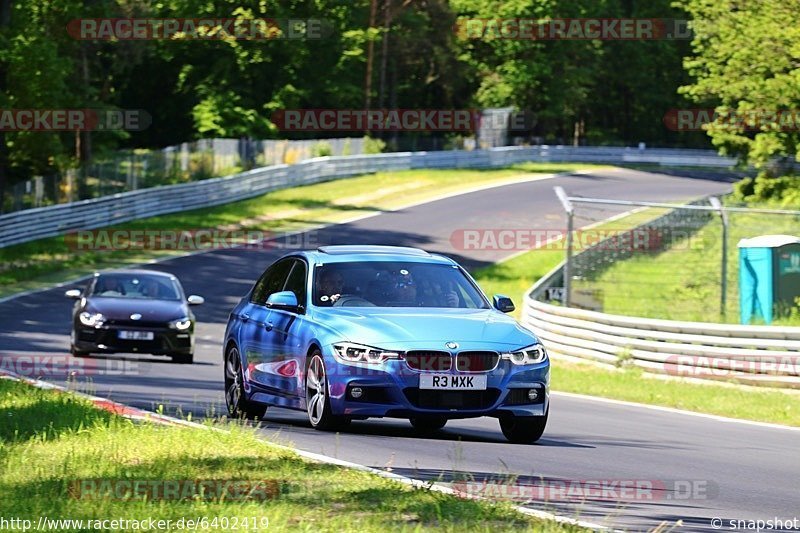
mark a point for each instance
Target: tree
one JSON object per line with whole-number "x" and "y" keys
{"x": 745, "y": 63}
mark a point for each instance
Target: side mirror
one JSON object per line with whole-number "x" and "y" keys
{"x": 75, "y": 294}
{"x": 503, "y": 303}
{"x": 195, "y": 300}
{"x": 285, "y": 300}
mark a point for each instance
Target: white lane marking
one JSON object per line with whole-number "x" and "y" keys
{"x": 134, "y": 413}
{"x": 673, "y": 410}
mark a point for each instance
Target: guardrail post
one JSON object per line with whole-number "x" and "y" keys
{"x": 562, "y": 196}
{"x": 723, "y": 297}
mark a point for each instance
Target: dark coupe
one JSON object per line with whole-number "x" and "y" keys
{"x": 133, "y": 311}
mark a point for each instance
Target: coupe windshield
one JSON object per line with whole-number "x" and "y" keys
{"x": 135, "y": 286}
{"x": 394, "y": 284}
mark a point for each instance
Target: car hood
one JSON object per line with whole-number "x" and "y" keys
{"x": 403, "y": 328}
{"x": 151, "y": 310}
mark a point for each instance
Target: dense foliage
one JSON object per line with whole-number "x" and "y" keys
{"x": 392, "y": 54}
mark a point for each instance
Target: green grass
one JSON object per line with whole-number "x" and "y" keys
{"x": 515, "y": 276}
{"x": 49, "y": 441}
{"x": 684, "y": 282}
{"x": 39, "y": 263}
{"x": 632, "y": 384}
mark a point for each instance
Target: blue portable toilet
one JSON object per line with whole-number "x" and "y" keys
{"x": 769, "y": 274}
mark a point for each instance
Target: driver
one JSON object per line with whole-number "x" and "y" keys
{"x": 331, "y": 286}
{"x": 107, "y": 287}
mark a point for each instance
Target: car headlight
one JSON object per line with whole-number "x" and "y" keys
{"x": 527, "y": 356}
{"x": 347, "y": 352}
{"x": 93, "y": 320}
{"x": 181, "y": 324}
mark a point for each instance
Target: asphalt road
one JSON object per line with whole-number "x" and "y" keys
{"x": 686, "y": 468}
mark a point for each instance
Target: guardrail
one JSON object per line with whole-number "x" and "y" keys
{"x": 31, "y": 224}
{"x": 751, "y": 355}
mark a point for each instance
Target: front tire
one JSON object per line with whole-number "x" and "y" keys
{"x": 76, "y": 352}
{"x": 523, "y": 429}
{"x": 427, "y": 424}
{"x": 235, "y": 398}
{"x": 182, "y": 358}
{"x": 318, "y": 401}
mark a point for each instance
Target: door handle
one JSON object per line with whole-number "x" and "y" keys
{"x": 268, "y": 326}
{"x": 245, "y": 317}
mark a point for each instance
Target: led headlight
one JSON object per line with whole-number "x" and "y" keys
{"x": 93, "y": 320}
{"x": 527, "y": 356}
{"x": 182, "y": 324}
{"x": 347, "y": 352}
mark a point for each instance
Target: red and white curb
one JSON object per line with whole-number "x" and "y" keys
{"x": 141, "y": 415}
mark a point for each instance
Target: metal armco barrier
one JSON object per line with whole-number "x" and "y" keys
{"x": 753, "y": 355}
{"x": 32, "y": 224}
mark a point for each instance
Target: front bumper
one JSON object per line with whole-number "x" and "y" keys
{"x": 106, "y": 339}
{"x": 392, "y": 390}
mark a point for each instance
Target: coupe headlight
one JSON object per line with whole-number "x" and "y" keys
{"x": 527, "y": 356}
{"x": 93, "y": 320}
{"x": 347, "y": 352}
{"x": 182, "y": 324}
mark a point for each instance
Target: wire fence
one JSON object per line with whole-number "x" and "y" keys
{"x": 140, "y": 169}
{"x": 675, "y": 263}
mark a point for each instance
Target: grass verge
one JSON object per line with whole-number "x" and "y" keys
{"x": 46, "y": 261}
{"x": 50, "y": 442}
{"x": 684, "y": 282}
{"x": 634, "y": 385}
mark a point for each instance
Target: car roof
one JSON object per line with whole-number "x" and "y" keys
{"x": 137, "y": 272}
{"x": 354, "y": 253}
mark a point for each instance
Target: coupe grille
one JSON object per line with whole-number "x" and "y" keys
{"x": 430, "y": 361}
{"x": 134, "y": 324}
{"x": 476, "y": 361}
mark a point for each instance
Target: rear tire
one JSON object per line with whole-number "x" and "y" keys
{"x": 235, "y": 397}
{"x": 427, "y": 424}
{"x": 523, "y": 429}
{"x": 318, "y": 401}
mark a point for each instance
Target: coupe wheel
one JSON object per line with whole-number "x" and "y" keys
{"x": 235, "y": 398}
{"x": 318, "y": 402}
{"x": 183, "y": 358}
{"x": 428, "y": 423}
{"x": 76, "y": 352}
{"x": 523, "y": 429}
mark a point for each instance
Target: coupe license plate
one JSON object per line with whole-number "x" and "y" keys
{"x": 136, "y": 335}
{"x": 451, "y": 382}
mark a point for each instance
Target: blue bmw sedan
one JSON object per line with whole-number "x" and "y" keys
{"x": 354, "y": 332}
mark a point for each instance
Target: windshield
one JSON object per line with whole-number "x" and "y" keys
{"x": 394, "y": 284}
{"x": 135, "y": 286}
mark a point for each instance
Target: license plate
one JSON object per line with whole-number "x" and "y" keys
{"x": 452, "y": 382}
{"x": 136, "y": 335}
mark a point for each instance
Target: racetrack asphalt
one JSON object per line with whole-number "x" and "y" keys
{"x": 687, "y": 468}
